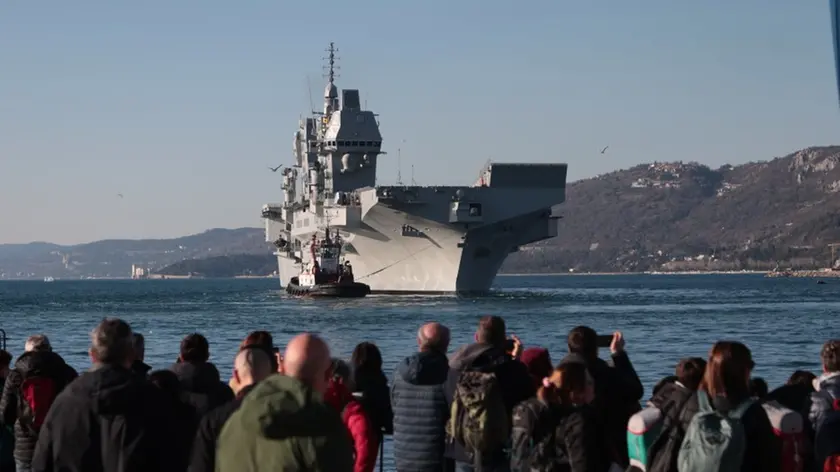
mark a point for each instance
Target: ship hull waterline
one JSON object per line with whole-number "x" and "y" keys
{"x": 330, "y": 290}
{"x": 429, "y": 265}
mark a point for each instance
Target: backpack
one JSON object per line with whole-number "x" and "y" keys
{"x": 478, "y": 417}
{"x": 827, "y": 439}
{"x": 714, "y": 441}
{"x": 642, "y": 430}
{"x": 788, "y": 426}
{"x": 37, "y": 394}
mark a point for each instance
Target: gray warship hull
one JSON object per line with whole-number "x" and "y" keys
{"x": 403, "y": 239}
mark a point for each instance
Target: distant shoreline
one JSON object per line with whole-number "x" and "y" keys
{"x": 694, "y": 272}
{"x": 541, "y": 274}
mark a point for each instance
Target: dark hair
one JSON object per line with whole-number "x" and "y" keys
{"x": 728, "y": 370}
{"x": 830, "y": 355}
{"x": 258, "y": 338}
{"x": 690, "y": 372}
{"x": 5, "y": 358}
{"x": 568, "y": 378}
{"x": 583, "y": 340}
{"x": 195, "y": 348}
{"x": 491, "y": 330}
{"x": 366, "y": 356}
{"x": 341, "y": 371}
{"x": 261, "y": 340}
{"x": 801, "y": 377}
{"x": 758, "y": 387}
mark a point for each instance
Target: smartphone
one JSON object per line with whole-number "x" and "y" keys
{"x": 604, "y": 340}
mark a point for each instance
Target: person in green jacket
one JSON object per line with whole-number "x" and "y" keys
{"x": 283, "y": 425}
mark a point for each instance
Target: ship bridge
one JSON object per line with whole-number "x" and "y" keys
{"x": 351, "y": 142}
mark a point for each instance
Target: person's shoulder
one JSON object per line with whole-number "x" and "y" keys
{"x": 573, "y": 420}
{"x": 216, "y": 417}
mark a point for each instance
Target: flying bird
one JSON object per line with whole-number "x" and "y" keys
{"x": 275, "y": 169}
{"x": 120, "y": 195}
{"x": 604, "y": 150}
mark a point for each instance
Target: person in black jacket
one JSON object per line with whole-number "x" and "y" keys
{"x": 140, "y": 355}
{"x": 420, "y": 407}
{"x": 38, "y": 360}
{"x": 557, "y": 430}
{"x": 488, "y": 355}
{"x": 109, "y": 419}
{"x": 670, "y": 399}
{"x": 618, "y": 389}
{"x": 370, "y": 386}
{"x": 203, "y": 387}
{"x": 183, "y": 421}
{"x": 251, "y": 366}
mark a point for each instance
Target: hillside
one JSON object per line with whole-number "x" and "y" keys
{"x": 660, "y": 216}
{"x": 114, "y": 257}
{"x": 656, "y": 216}
{"x": 224, "y": 266}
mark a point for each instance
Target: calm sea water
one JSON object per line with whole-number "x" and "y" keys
{"x": 664, "y": 318}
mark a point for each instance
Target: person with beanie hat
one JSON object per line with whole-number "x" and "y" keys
{"x": 538, "y": 363}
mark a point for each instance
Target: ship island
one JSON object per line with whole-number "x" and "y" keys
{"x": 402, "y": 239}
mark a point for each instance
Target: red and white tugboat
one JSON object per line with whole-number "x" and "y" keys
{"x": 323, "y": 275}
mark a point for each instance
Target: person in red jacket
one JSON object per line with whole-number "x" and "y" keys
{"x": 359, "y": 424}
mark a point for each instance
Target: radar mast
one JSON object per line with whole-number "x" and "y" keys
{"x": 330, "y": 92}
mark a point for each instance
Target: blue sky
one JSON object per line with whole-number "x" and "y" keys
{"x": 181, "y": 106}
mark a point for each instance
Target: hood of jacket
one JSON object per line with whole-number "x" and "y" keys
{"x": 282, "y": 407}
{"x": 424, "y": 368}
{"x": 44, "y": 362}
{"x": 478, "y": 356}
{"x": 828, "y": 381}
{"x": 200, "y": 377}
{"x": 113, "y": 390}
{"x": 670, "y": 398}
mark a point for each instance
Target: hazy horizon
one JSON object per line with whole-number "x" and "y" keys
{"x": 182, "y": 107}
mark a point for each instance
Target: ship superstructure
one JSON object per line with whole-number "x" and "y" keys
{"x": 403, "y": 238}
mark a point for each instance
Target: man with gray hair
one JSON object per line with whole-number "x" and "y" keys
{"x": 109, "y": 418}
{"x": 31, "y": 387}
{"x": 420, "y": 408}
{"x": 37, "y": 342}
{"x": 251, "y": 366}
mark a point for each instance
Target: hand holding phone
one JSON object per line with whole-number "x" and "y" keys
{"x": 605, "y": 340}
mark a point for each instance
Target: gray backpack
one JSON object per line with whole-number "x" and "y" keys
{"x": 714, "y": 442}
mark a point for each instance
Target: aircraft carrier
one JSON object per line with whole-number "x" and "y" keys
{"x": 404, "y": 239}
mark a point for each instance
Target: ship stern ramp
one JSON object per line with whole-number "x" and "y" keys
{"x": 454, "y": 239}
